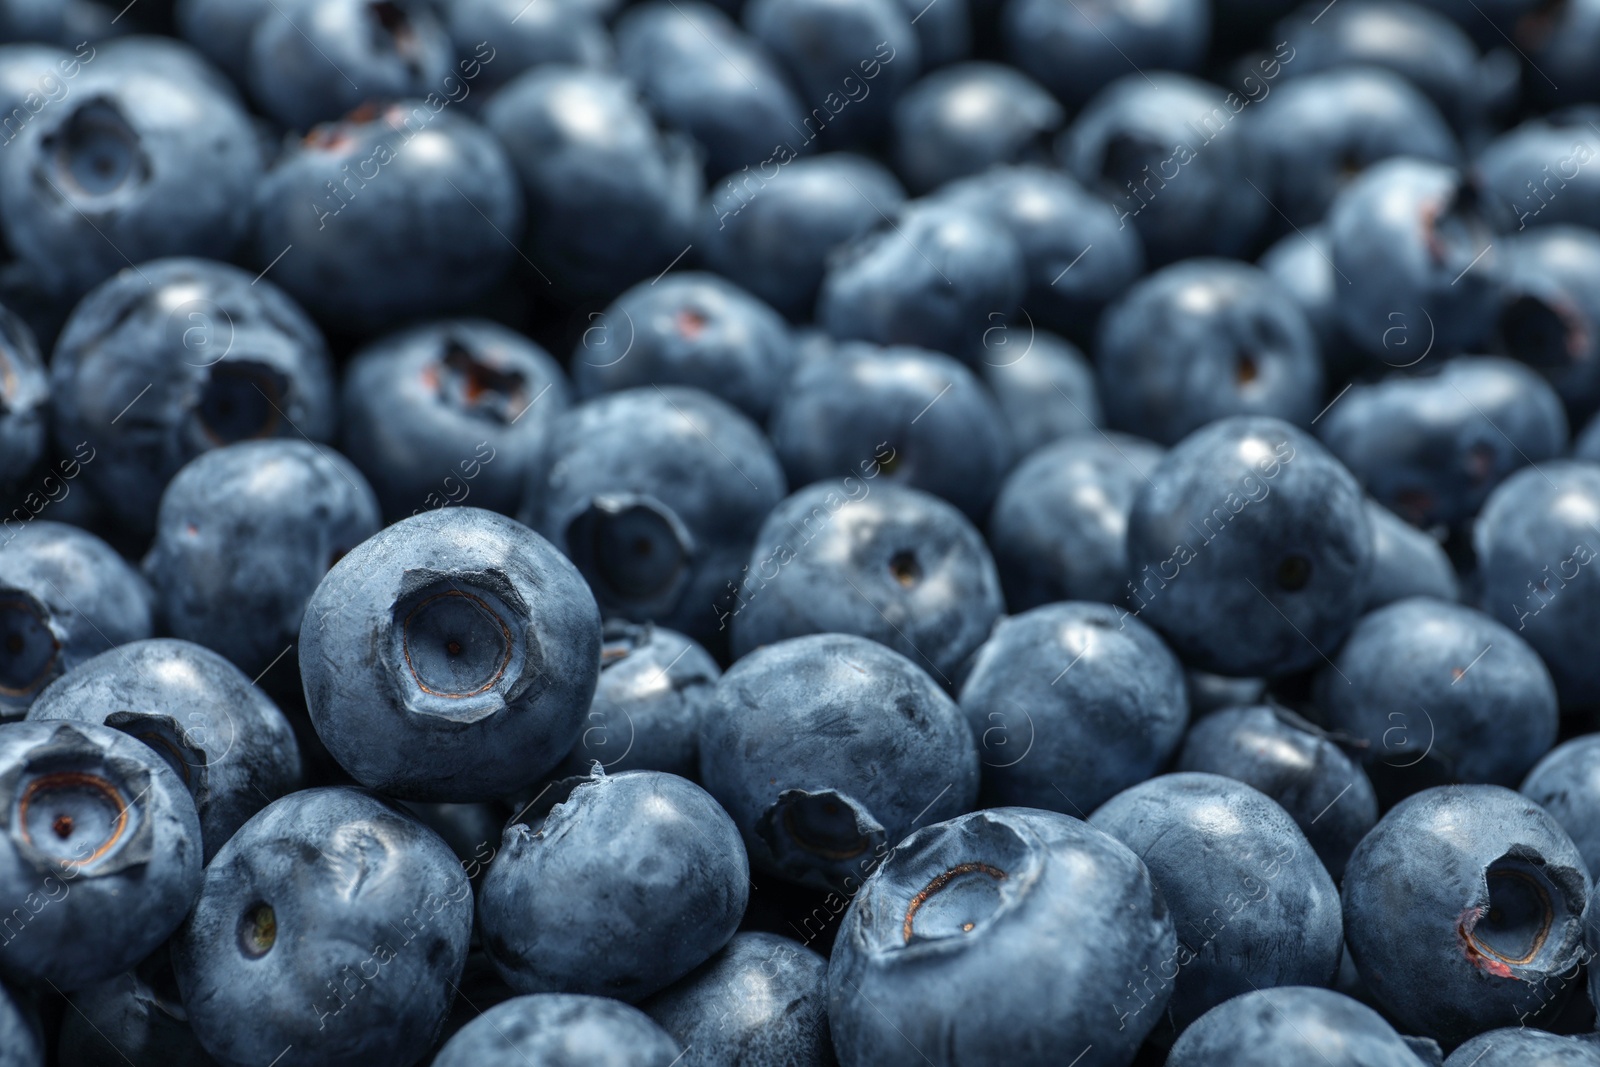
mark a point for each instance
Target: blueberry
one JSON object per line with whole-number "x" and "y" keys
{"x": 1251, "y": 902}
{"x": 689, "y": 329}
{"x": 1533, "y": 540}
{"x": 1326, "y": 793}
{"x": 1249, "y": 548}
{"x": 760, "y": 1002}
{"x": 944, "y": 31}
{"x": 522, "y": 36}
{"x": 101, "y": 835}
{"x": 396, "y": 212}
{"x": 1046, "y": 392}
{"x": 880, "y": 561}
{"x": 964, "y": 119}
{"x": 317, "y": 59}
{"x": 172, "y": 358}
{"x": 169, "y": 55}
{"x": 1214, "y": 692}
{"x": 1566, "y": 783}
{"x": 65, "y": 596}
{"x": 20, "y": 1032}
{"x": 1551, "y": 311}
{"x": 827, "y": 750}
{"x": 458, "y": 632}
{"x": 226, "y": 740}
{"x": 1074, "y": 51}
{"x": 24, "y": 400}
{"x": 1537, "y": 173}
{"x": 1410, "y": 240}
{"x": 1302, "y": 265}
{"x": 1523, "y": 1046}
{"x": 940, "y": 277}
{"x": 1463, "y": 911}
{"x": 654, "y": 685}
{"x": 1406, "y": 562}
{"x": 611, "y": 199}
{"x": 1291, "y": 1024}
{"x": 345, "y": 912}
{"x": 447, "y": 412}
{"x": 243, "y": 536}
{"x": 944, "y": 429}
{"x": 1560, "y": 42}
{"x": 221, "y": 28}
{"x": 1059, "y": 524}
{"x": 774, "y": 232}
{"x": 656, "y": 494}
{"x": 560, "y": 1030}
{"x": 968, "y": 904}
{"x": 1202, "y": 340}
{"x": 135, "y": 1018}
{"x": 614, "y": 885}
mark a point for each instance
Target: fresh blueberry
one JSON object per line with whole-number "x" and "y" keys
{"x": 1463, "y": 911}
{"x": 459, "y": 633}
{"x": 172, "y": 358}
{"x": 20, "y": 1033}
{"x": 1326, "y": 793}
{"x": 827, "y": 750}
{"x": 969, "y": 904}
{"x": 654, "y": 686}
{"x": 1202, "y": 340}
{"x": 168, "y": 55}
{"x": 313, "y": 60}
{"x": 226, "y": 740}
{"x": 1302, "y": 265}
{"x": 222, "y": 28}
{"x": 656, "y": 495}
{"x": 1249, "y": 548}
{"x": 136, "y": 1018}
{"x": 1057, "y": 224}
{"x": 704, "y": 75}
{"x": 1059, "y": 524}
{"x": 774, "y": 232}
{"x": 1209, "y": 693}
{"x": 1074, "y": 51}
{"x": 1566, "y": 783}
{"x": 1559, "y": 41}
{"x": 1417, "y": 259}
{"x": 521, "y": 36}
{"x": 447, "y": 412}
{"x": 760, "y": 1002}
{"x": 346, "y": 914}
{"x": 881, "y": 561}
{"x": 560, "y": 1030}
{"x": 1550, "y": 318}
{"x": 1071, "y": 705}
{"x": 1252, "y": 903}
{"x": 1523, "y": 1046}
{"x": 944, "y": 429}
{"x": 243, "y": 536}
{"x": 614, "y": 885}
{"x": 940, "y": 277}
{"x": 393, "y": 213}
{"x": 101, "y": 835}
{"x": 1406, "y": 562}
{"x": 1538, "y": 173}
{"x": 1534, "y": 540}
{"x": 24, "y": 400}
{"x": 967, "y": 118}
{"x": 1166, "y": 151}
{"x": 1432, "y": 447}
{"x": 1438, "y": 692}
{"x": 611, "y": 199}
{"x": 1046, "y": 392}
{"x": 689, "y": 329}
{"x": 1291, "y": 1024}
{"x": 65, "y": 596}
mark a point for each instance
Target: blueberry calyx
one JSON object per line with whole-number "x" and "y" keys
{"x": 634, "y": 551}
{"x": 95, "y": 154}
{"x": 1526, "y": 921}
{"x": 819, "y": 831}
{"x": 29, "y": 647}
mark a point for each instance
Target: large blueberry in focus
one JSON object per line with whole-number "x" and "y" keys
{"x": 656, "y": 494}
{"x": 1463, "y": 911}
{"x": 243, "y": 536}
{"x": 1550, "y": 318}
{"x": 172, "y": 358}
{"x": 760, "y": 1002}
{"x": 1291, "y": 1024}
{"x": 968, "y": 905}
{"x": 1406, "y": 562}
{"x": 343, "y": 910}
{"x": 1202, "y": 340}
{"x": 65, "y": 596}
{"x": 1046, "y": 391}
{"x": 560, "y": 1030}
{"x": 967, "y": 118}
{"x": 1252, "y": 903}
{"x": 447, "y": 412}
{"x": 827, "y": 750}
{"x": 1075, "y": 51}
{"x": 1070, "y": 705}
{"x": 1058, "y": 528}
{"x": 96, "y": 833}
{"x": 944, "y": 430}
{"x": 459, "y": 633}
{"x": 1439, "y": 692}
{"x": 614, "y": 885}
{"x": 225, "y": 738}
{"x": 1566, "y": 783}
{"x": 1523, "y": 1046}
{"x": 1249, "y": 548}
{"x": 1324, "y": 791}
{"x": 878, "y": 560}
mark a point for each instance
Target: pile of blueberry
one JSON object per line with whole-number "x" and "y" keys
{"x": 799, "y": 533}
